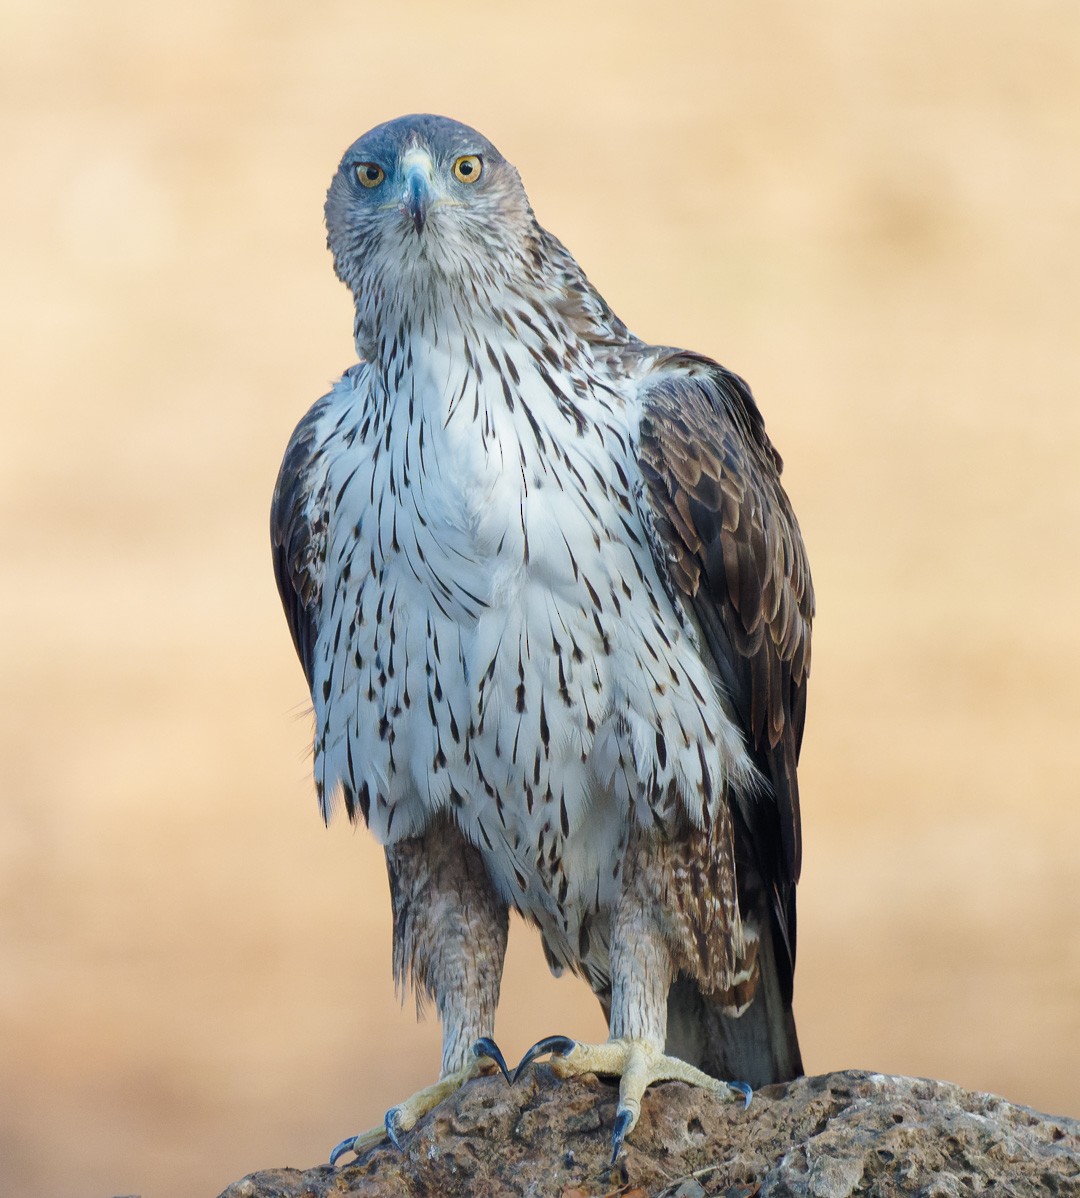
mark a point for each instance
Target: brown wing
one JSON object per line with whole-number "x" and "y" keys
{"x": 298, "y": 525}
{"x": 732, "y": 550}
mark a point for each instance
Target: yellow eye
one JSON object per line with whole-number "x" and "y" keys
{"x": 467, "y": 169}
{"x": 370, "y": 174}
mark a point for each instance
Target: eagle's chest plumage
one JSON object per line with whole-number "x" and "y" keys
{"x": 495, "y": 639}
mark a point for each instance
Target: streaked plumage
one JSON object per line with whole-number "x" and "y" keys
{"x": 554, "y": 610}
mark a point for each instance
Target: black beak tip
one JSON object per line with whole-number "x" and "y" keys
{"x": 414, "y": 203}
{"x": 416, "y": 211}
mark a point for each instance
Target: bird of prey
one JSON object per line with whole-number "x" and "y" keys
{"x": 554, "y": 610}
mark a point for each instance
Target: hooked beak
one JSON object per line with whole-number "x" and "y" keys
{"x": 416, "y": 198}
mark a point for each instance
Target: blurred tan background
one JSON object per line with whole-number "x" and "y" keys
{"x": 870, "y": 210}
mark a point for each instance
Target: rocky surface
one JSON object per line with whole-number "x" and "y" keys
{"x": 822, "y": 1137}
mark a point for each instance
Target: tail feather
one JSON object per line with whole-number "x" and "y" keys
{"x": 759, "y": 1047}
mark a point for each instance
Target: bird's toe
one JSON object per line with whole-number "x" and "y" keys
{"x": 397, "y": 1123}
{"x": 559, "y": 1046}
{"x": 486, "y": 1047}
{"x": 624, "y": 1124}
{"x": 339, "y": 1150}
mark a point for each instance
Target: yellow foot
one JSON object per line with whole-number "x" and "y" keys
{"x": 638, "y": 1064}
{"x": 404, "y": 1117}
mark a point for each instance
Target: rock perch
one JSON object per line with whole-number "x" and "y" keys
{"x": 831, "y": 1136}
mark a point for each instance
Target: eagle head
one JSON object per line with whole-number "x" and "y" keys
{"x": 423, "y": 203}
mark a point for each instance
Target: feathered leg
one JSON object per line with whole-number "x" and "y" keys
{"x": 675, "y": 913}
{"x": 449, "y": 941}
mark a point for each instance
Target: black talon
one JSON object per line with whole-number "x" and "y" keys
{"x": 560, "y": 1046}
{"x": 743, "y": 1089}
{"x": 486, "y": 1047}
{"x": 340, "y": 1149}
{"x": 623, "y": 1119}
{"x": 390, "y": 1123}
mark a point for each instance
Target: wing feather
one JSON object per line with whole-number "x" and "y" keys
{"x": 733, "y": 551}
{"x": 299, "y": 516}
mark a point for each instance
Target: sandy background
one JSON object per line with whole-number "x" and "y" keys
{"x": 870, "y": 210}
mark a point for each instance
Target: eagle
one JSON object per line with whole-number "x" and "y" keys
{"x": 554, "y": 610}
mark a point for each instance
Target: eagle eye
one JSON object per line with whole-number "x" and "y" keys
{"x": 370, "y": 174}
{"x": 467, "y": 168}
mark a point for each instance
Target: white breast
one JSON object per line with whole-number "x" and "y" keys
{"x": 495, "y": 638}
